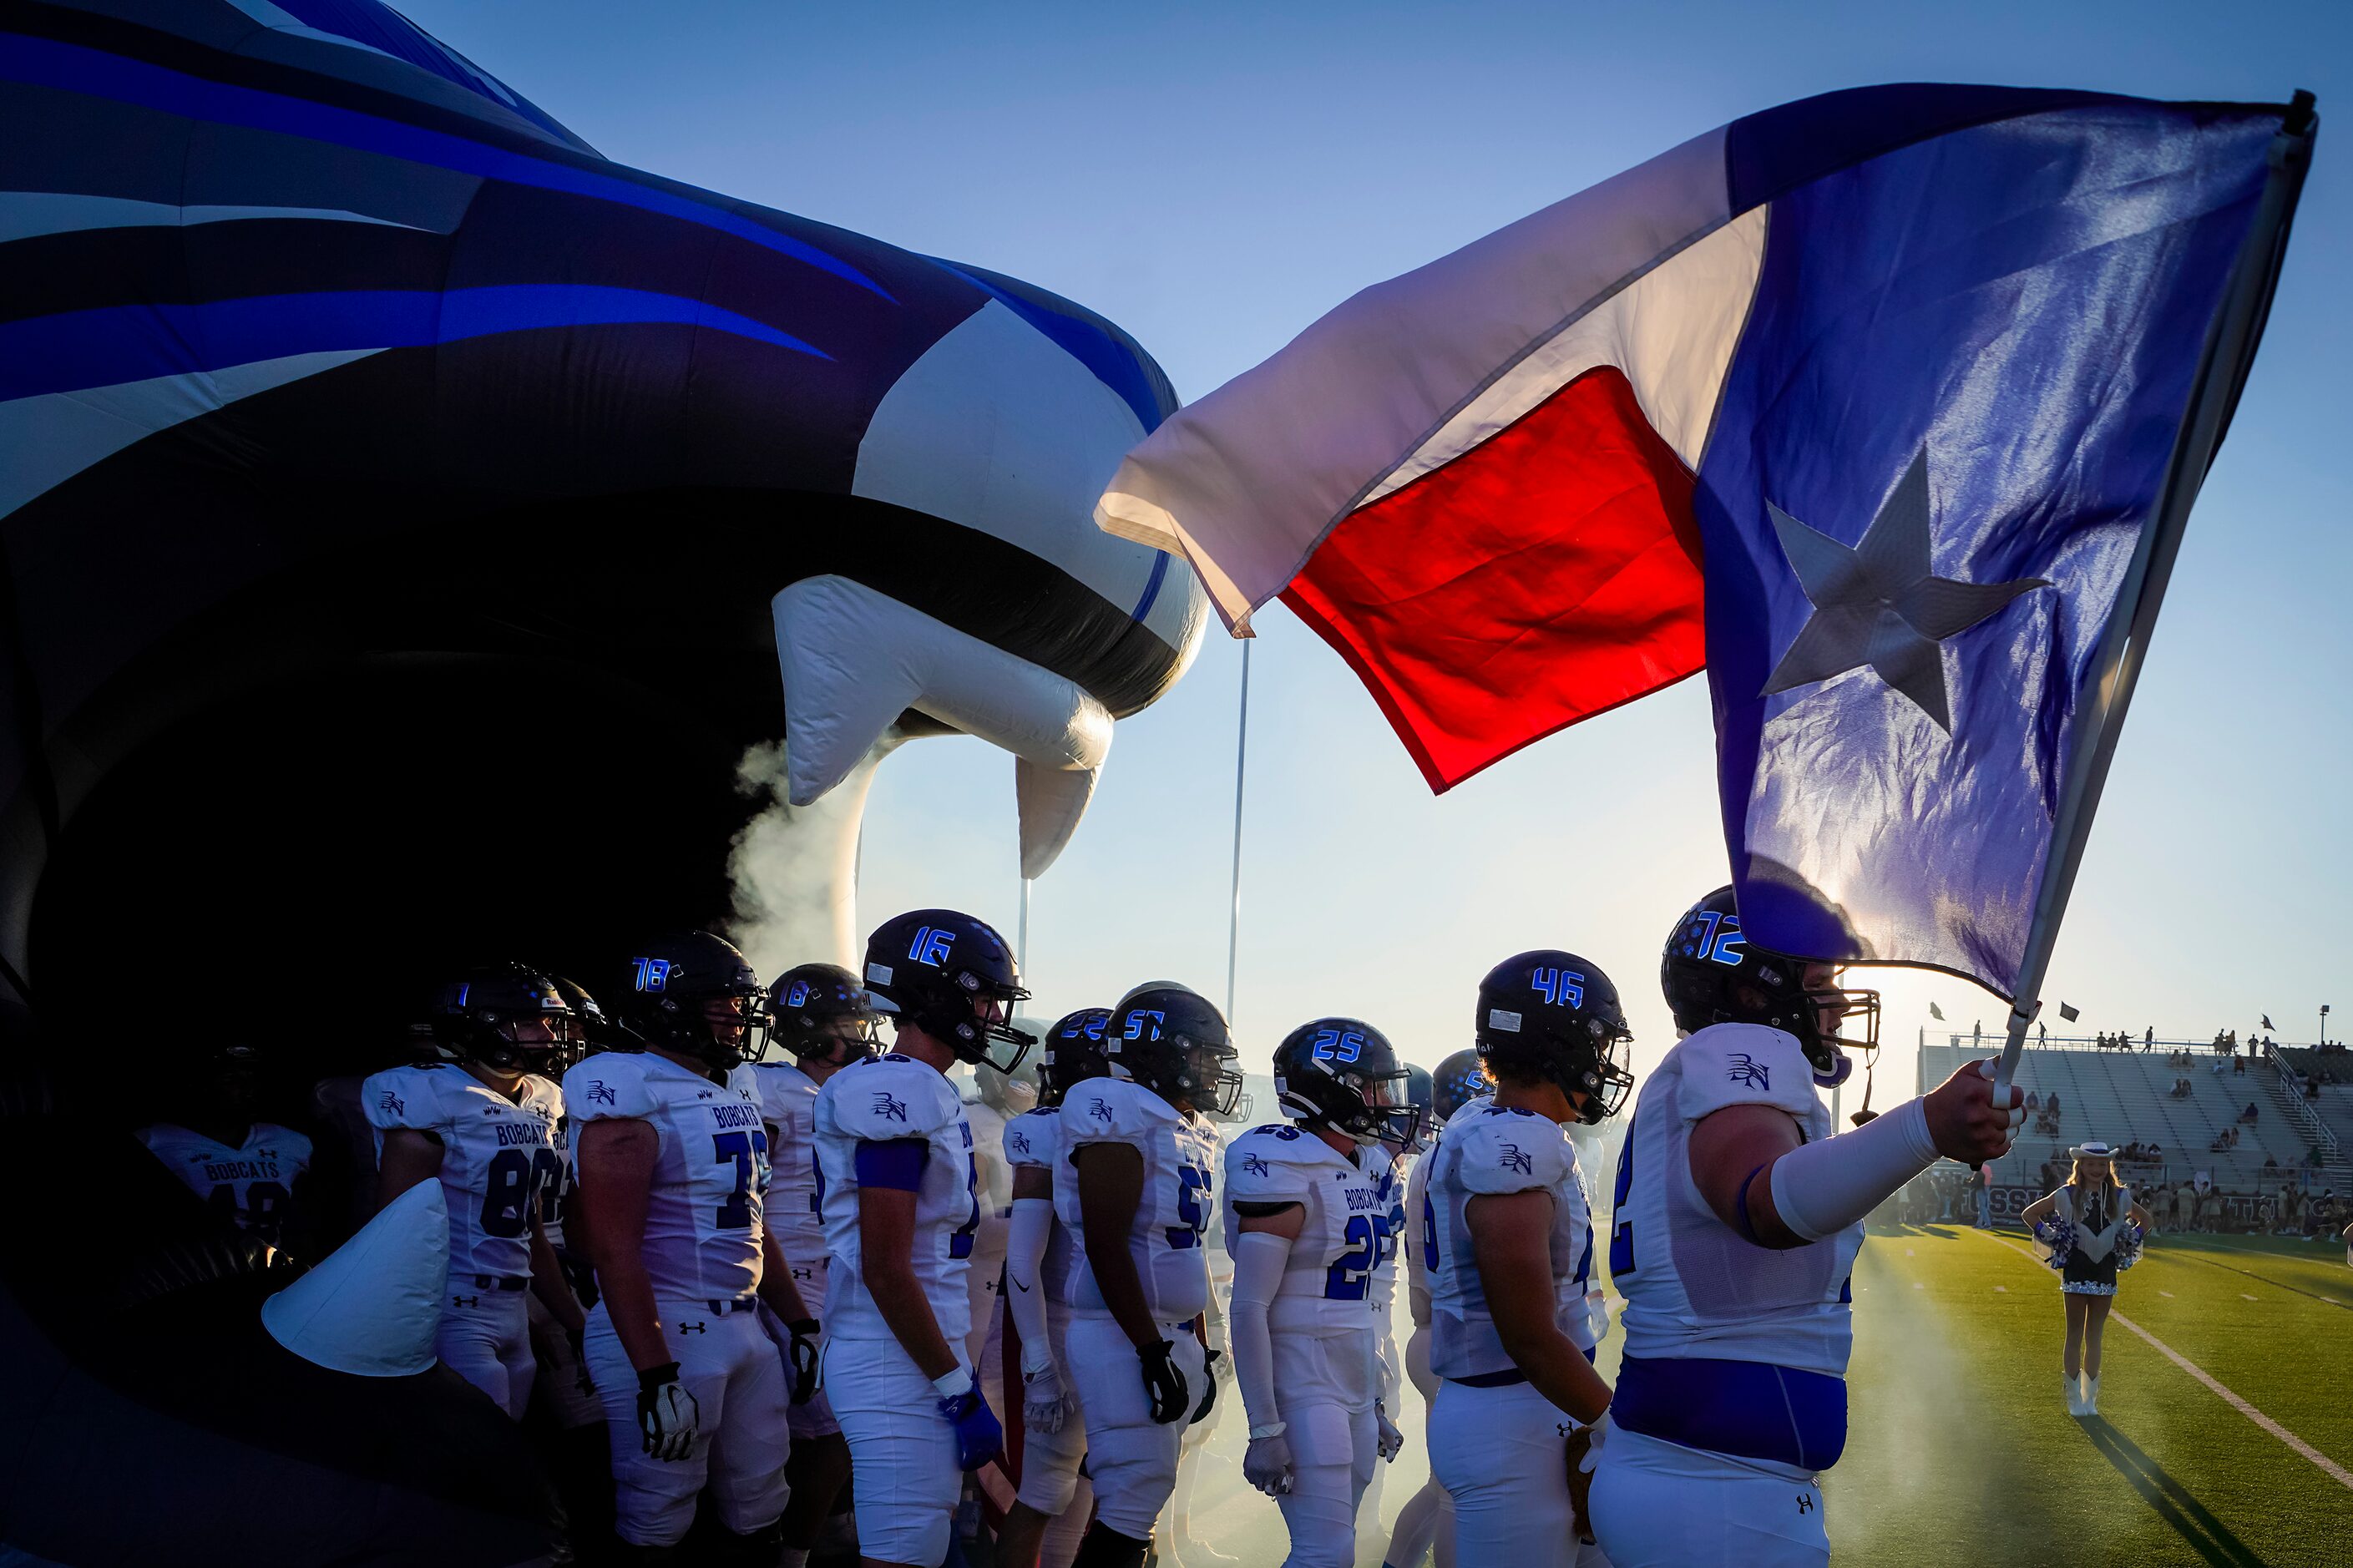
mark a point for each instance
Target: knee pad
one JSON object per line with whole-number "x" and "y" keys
{"x": 1107, "y": 1548}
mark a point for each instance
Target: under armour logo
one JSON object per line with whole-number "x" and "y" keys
{"x": 1516, "y": 1160}
{"x": 1805, "y": 1502}
{"x": 389, "y": 1102}
{"x": 1564, "y": 1428}
{"x": 896, "y": 1109}
{"x": 1099, "y": 1110}
{"x": 1256, "y": 1166}
{"x": 692, "y": 1329}
{"x": 599, "y": 1094}
{"x": 1743, "y": 1068}
{"x": 465, "y": 1300}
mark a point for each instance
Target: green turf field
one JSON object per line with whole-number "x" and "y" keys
{"x": 1961, "y": 1450}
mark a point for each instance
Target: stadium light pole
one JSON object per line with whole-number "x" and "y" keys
{"x": 2324, "y": 1023}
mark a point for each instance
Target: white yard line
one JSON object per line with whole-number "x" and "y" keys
{"x": 2326, "y": 1465}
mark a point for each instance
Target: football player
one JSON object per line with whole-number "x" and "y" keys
{"x": 1049, "y": 1513}
{"x": 1000, "y": 1097}
{"x": 1172, "y": 1541}
{"x": 673, "y": 1161}
{"x": 1384, "y": 1297}
{"x": 1143, "y": 1158}
{"x": 895, "y": 1160}
{"x": 1312, "y": 1206}
{"x": 483, "y": 1122}
{"x": 254, "y": 1175}
{"x": 825, "y": 1021}
{"x": 563, "y": 1389}
{"x": 1426, "y": 1523}
{"x": 1511, "y": 1247}
{"x": 1737, "y": 1220}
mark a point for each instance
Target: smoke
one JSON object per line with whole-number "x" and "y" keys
{"x": 793, "y": 868}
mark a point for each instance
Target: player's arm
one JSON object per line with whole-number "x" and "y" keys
{"x": 410, "y": 1155}
{"x": 1760, "y": 1175}
{"x": 1511, "y": 1240}
{"x": 1111, "y": 1189}
{"x": 889, "y": 1174}
{"x": 2038, "y": 1211}
{"x": 548, "y": 1282}
{"x": 1265, "y": 1232}
{"x": 616, "y": 1177}
{"x": 1025, "y": 1256}
{"x": 778, "y": 1288}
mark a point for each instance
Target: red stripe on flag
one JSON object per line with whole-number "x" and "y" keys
{"x": 1550, "y": 574}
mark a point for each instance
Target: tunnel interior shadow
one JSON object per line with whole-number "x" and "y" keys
{"x": 2206, "y": 1536}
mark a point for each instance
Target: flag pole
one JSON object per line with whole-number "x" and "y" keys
{"x": 1021, "y": 944}
{"x": 2109, "y": 683}
{"x": 1234, "y": 912}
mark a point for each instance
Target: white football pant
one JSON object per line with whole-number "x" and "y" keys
{"x": 813, "y": 1418}
{"x": 905, "y": 1484}
{"x": 558, "y": 1383}
{"x": 484, "y": 1336}
{"x": 1425, "y": 1526}
{"x": 1661, "y": 1505}
{"x": 1131, "y": 1460}
{"x": 1324, "y": 1389}
{"x": 740, "y": 1440}
{"x": 1050, "y": 1460}
{"x": 1503, "y": 1454}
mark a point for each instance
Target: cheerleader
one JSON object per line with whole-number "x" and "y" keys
{"x": 2092, "y": 1228}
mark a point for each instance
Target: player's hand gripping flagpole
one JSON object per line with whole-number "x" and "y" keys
{"x": 2108, "y": 685}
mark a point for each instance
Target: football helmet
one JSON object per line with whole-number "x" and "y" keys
{"x": 666, "y": 998}
{"x": 1459, "y": 1080}
{"x": 1010, "y": 1093}
{"x": 586, "y": 1031}
{"x": 815, "y": 1008}
{"x": 1172, "y": 1041}
{"x": 1074, "y": 1053}
{"x": 953, "y": 977}
{"x": 1714, "y": 974}
{"x": 475, "y": 1016}
{"x": 1344, "y": 1074}
{"x": 1550, "y": 1014}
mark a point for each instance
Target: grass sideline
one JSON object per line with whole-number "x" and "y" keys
{"x": 1961, "y": 1451}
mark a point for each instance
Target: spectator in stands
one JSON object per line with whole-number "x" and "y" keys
{"x": 2052, "y": 1105}
{"x": 2239, "y": 1066}
{"x": 2033, "y": 1100}
{"x": 2270, "y": 1164}
{"x": 2161, "y": 1210}
{"x": 2312, "y": 1087}
{"x": 2222, "y": 1065}
{"x": 2248, "y": 1115}
{"x": 2185, "y": 1206}
{"x": 2148, "y": 1041}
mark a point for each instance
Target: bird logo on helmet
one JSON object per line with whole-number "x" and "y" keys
{"x": 1173, "y": 1040}
{"x": 1547, "y": 1013}
{"x": 815, "y": 1008}
{"x": 695, "y": 994}
{"x": 503, "y": 1016}
{"x": 1342, "y": 1073}
{"x": 1712, "y": 974}
{"x": 1460, "y": 1079}
{"x": 1074, "y": 1053}
{"x": 953, "y": 977}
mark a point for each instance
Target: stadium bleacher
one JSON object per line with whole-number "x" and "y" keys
{"x": 2124, "y": 1096}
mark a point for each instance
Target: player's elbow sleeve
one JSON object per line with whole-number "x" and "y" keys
{"x": 1823, "y": 1187}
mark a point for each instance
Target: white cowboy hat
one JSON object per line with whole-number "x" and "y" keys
{"x": 2091, "y": 1148}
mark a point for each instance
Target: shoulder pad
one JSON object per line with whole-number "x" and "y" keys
{"x": 608, "y": 1086}
{"x": 1509, "y": 1154}
{"x": 402, "y": 1097}
{"x": 1742, "y": 1064}
{"x": 889, "y": 1098}
{"x": 1032, "y": 1138}
{"x": 1114, "y": 1111}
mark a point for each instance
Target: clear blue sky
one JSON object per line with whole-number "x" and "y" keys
{"x": 1214, "y": 177}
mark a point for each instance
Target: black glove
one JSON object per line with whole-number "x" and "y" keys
{"x": 1210, "y": 1392}
{"x": 804, "y": 1358}
{"x": 1163, "y": 1380}
{"x": 666, "y": 1413}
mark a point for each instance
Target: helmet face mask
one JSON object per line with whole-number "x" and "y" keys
{"x": 1712, "y": 974}
{"x": 1343, "y": 1074}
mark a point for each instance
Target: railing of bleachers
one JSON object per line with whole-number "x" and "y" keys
{"x": 2307, "y": 1121}
{"x": 2205, "y": 1050}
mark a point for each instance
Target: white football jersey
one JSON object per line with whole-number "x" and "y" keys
{"x": 1034, "y": 1139}
{"x": 705, "y": 1212}
{"x": 497, "y": 1156}
{"x": 1346, "y": 1231}
{"x": 249, "y": 1185}
{"x": 1490, "y": 1150}
{"x": 1694, "y": 1286}
{"x": 1180, "y": 1164}
{"x": 1384, "y": 1270}
{"x": 890, "y": 1099}
{"x": 789, "y": 1104}
{"x": 988, "y": 1124}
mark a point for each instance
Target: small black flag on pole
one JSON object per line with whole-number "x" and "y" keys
{"x": 2068, "y": 1011}
{"x": 2267, "y": 1023}
{"x": 1935, "y": 1012}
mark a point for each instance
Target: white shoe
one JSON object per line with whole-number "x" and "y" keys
{"x": 2091, "y": 1396}
{"x": 2074, "y": 1395}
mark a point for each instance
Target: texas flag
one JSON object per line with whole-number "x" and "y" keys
{"x": 1864, "y": 405}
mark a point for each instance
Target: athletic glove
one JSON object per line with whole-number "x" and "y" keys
{"x": 1163, "y": 1380}
{"x": 666, "y": 1413}
{"x": 1209, "y": 1388}
{"x": 1584, "y": 1453}
{"x": 978, "y": 1437}
{"x": 1388, "y": 1442}
{"x": 803, "y": 1353}
{"x": 1266, "y": 1463}
{"x": 1044, "y": 1406}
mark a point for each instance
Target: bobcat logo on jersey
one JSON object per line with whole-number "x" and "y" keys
{"x": 1255, "y": 1166}
{"x": 1515, "y": 1160}
{"x": 1099, "y": 1112}
{"x": 896, "y": 1109}
{"x": 600, "y": 1093}
{"x": 1740, "y": 1068}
